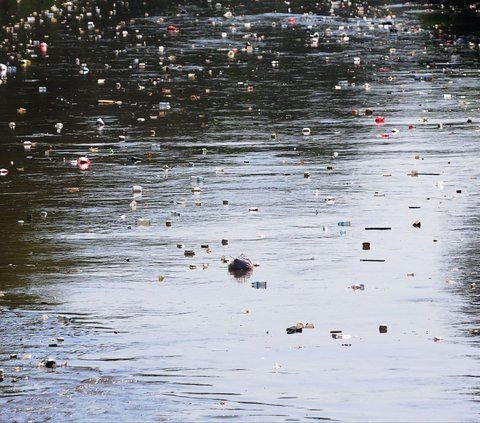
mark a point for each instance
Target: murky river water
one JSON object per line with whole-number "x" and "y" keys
{"x": 215, "y": 133}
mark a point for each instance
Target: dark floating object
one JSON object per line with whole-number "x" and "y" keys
{"x": 380, "y": 228}
{"x": 374, "y": 260}
{"x": 294, "y": 329}
{"x": 49, "y": 363}
{"x": 240, "y": 264}
{"x": 423, "y": 77}
{"x": 241, "y": 267}
{"x": 417, "y": 224}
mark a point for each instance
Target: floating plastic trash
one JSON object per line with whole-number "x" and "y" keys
{"x": 83, "y": 163}
{"x": 143, "y": 222}
{"x": 306, "y": 131}
{"x": 358, "y": 287}
{"x": 3, "y": 71}
{"x": 198, "y": 179}
{"x": 107, "y": 102}
{"x": 344, "y": 223}
{"x": 365, "y": 246}
{"x": 189, "y": 253}
{"x": 164, "y": 105}
{"x": 374, "y": 260}
{"x": 137, "y": 189}
{"x": 259, "y": 285}
{"x": 330, "y": 200}
{"x": 338, "y": 334}
{"x": 294, "y": 329}
{"x": 379, "y": 120}
{"x": 423, "y": 77}
{"x": 43, "y": 47}
{"x": 383, "y": 329}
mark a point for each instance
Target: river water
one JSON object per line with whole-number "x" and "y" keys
{"x": 215, "y": 133}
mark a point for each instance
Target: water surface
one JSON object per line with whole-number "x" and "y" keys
{"x": 150, "y": 334}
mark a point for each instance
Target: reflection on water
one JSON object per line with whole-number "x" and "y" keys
{"x": 252, "y": 133}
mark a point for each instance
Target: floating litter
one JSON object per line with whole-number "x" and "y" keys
{"x": 240, "y": 267}
{"x": 330, "y": 200}
{"x": 294, "y": 329}
{"x": 358, "y": 287}
{"x": 164, "y": 105}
